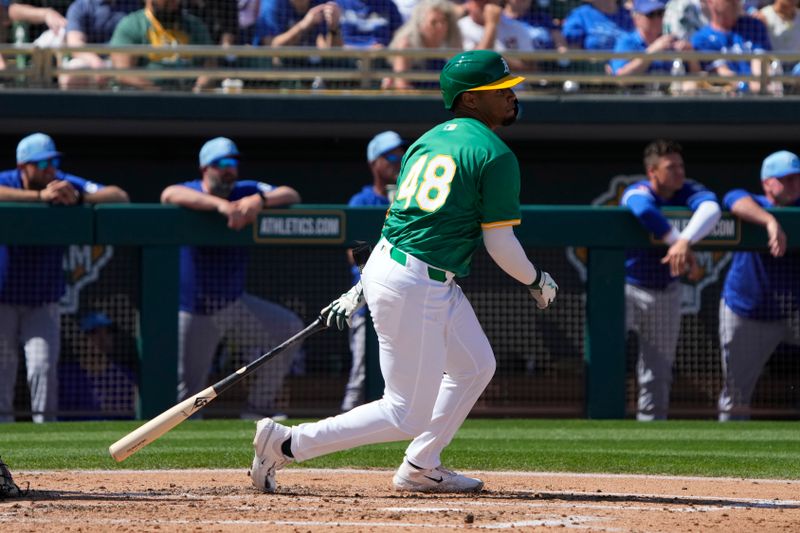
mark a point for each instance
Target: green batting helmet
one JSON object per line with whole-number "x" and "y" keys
{"x": 476, "y": 70}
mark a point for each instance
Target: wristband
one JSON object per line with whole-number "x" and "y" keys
{"x": 538, "y": 278}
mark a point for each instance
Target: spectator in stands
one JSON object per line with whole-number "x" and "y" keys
{"x": 299, "y": 23}
{"x": 782, "y": 20}
{"x": 761, "y": 295}
{"x": 160, "y": 24}
{"x": 544, "y": 33}
{"x": 652, "y": 291}
{"x": 42, "y": 15}
{"x": 29, "y": 311}
{"x": 98, "y": 380}
{"x": 91, "y": 21}
{"x": 597, "y": 24}
{"x": 369, "y": 23}
{"x": 248, "y": 16}
{"x": 384, "y": 153}
{"x": 730, "y": 32}
{"x": 682, "y": 18}
{"x": 433, "y": 25}
{"x": 485, "y": 27}
{"x": 213, "y": 300}
{"x": 648, "y": 37}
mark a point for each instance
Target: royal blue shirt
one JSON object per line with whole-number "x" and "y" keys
{"x": 35, "y": 274}
{"x": 633, "y": 42}
{"x": 591, "y": 29}
{"x": 759, "y": 286}
{"x": 747, "y": 36}
{"x": 366, "y": 23}
{"x": 364, "y": 198}
{"x": 277, "y": 16}
{"x": 643, "y": 267}
{"x": 97, "y": 18}
{"x": 214, "y": 276}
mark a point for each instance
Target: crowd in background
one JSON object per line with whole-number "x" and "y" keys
{"x": 727, "y": 26}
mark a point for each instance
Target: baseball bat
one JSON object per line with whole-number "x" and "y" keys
{"x": 153, "y": 429}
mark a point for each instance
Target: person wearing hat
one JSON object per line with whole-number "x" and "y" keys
{"x": 648, "y": 36}
{"x": 759, "y": 305}
{"x": 384, "y": 153}
{"x": 458, "y": 184}
{"x": 29, "y": 312}
{"x": 213, "y": 300}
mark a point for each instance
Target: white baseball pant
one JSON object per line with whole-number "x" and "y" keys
{"x": 256, "y": 326}
{"x": 655, "y": 315}
{"x": 38, "y": 330}
{"x": 435, "y": 360}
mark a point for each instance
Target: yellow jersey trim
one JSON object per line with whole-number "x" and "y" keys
{"x": 502, "y": 223}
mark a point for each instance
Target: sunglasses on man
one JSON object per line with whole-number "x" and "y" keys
{"x": 54, "y": 162}
{"x": 225, "y": 162}
{"x": 391, "y": 158}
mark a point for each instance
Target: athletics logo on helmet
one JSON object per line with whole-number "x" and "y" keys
{"x": 475, "y": 70}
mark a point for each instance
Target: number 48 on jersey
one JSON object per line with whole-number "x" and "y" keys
{"x": 430, "y": 192}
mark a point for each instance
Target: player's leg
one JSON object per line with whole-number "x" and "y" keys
{"x": 40, "y": 334}
{"x": 9, "y": 359}
{"x": 354, "y": 392}
{"x": 745, "y": 347}
{"x": 198, "y": 336}
{"x": 410, "y": 314}
{"x": 469, "y": 366}
{"x": 260, "y": 326}
{"x": 658, "y": 339}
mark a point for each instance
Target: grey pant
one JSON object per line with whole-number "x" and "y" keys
{"x": 655, "y": 315}
{"x": 38, "y": 330}
{"x": 354, "y": 392}
{"x": 254, "y": 326}
{"x": 746, "y": 346}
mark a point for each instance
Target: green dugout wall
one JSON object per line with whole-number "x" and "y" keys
{"x": 159, "y": 230}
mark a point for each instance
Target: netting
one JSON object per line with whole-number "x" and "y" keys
{"x": 540, "y": 355}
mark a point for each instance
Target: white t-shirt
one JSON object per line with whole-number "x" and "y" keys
{"x": 784, "y": 36}
{"x": 511, "y": 34}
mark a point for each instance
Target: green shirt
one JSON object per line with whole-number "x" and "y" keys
{"x": 456, "y": 179}
{"x": 135, "y": 29}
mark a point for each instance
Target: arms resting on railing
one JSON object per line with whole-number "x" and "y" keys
{"x": 367, "y": 67}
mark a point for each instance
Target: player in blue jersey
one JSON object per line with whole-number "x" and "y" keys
{"x": 34, "y": 276}
{"x": 384, "y": 153}
{"x": 652, "y": 291}
{"x": 213, "y": 301}
{"x": 759, "y": 305}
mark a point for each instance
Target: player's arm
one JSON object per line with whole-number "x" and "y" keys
{"x": 281, "y": 196}
{"x": 109, "y": 194}
{"x": 12, "y": 194}
{"x": 507, "y": 252}
{"x": 706, "y": 215}
{"x": 746, "y": 208}
{"x": 191, "y": 199}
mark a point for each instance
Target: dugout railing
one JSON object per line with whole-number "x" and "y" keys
{"x": 297, "y": 69}
{"x": 323, "y": 231}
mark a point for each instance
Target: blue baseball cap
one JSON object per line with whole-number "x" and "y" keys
{"x": 36, "y": 147}
{"x": 382, "y": 143}
{"x": 95, "y": 320}
{"x": 779, "y": 165}
{"x": 648, "y": 6}
{"x": 217, "y": 148}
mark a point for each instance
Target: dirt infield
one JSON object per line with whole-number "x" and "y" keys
{"x": 362, "y": 500}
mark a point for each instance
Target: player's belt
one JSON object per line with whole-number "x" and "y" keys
{"x": 434, "y": 273}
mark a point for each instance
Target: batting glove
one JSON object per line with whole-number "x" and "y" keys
{"x": 341, "y": 310}
{"x": 543, "y": 289}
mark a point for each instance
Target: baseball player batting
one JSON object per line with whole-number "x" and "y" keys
{"x": 459, "y": 183}
{"x": 759, "y": 305}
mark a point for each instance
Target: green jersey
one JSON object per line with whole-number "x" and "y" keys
{"x": 456, "y": 179}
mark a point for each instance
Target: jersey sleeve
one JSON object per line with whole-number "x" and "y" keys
{"x": 500, "y": 192}
{"x": 83, "y": 185}
{"x": 697, "y": 194}
{"x": 126, "y": 32}
{"x": 642, "y": 204}
{"x": 734, "y": 196}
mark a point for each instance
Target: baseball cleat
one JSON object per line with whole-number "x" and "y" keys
{"x": 268, "y": 458}
{"x": 410, "y": 478}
